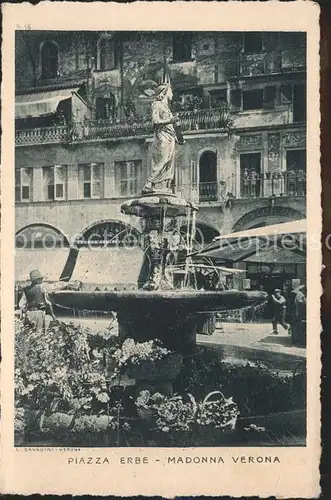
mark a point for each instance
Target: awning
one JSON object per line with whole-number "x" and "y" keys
{"x": 276, "y": 255}
{"x": 49, "y": 262}
{"x": 271, "y": 232}
{"x": 108, "y": 266}
{"x": 41, "y": 103}
{"x": 295, "y": 226}
{"x": 232, "y": 251}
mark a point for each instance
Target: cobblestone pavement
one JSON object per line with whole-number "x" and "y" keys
{"x": 255, "y": 336}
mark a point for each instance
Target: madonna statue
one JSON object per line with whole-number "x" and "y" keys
{"x": 165, "y": 137}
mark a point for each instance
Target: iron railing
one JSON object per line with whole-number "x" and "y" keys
{"x": 259, "y": 186}
{"x": 262, "y": 63}
{"x": 273, "y": 184}
{"x": 201, "y": 119}
{"x": 45, "y": 135}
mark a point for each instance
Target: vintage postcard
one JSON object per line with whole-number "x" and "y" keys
{"x": 161, "y": 254}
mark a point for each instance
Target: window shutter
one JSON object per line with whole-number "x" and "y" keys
{"x": 81, "y": 181}
{"x": 60, "y": 177}
{"x": 96, "y": 179}
{"x": 48, "y": 183}
{"x": 269, "y": 97}
{"x": 194, "y": 173}
{"x": 17, "y": 184}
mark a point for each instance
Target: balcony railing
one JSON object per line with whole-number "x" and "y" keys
{"x": 209, "y": 191}
{"x": 44, "y": 135}
{"x": 262, "y": 63}
{"x": 202, "y": 119}
{"x": 273, "y": 184}
{"x": 258, "y": 186}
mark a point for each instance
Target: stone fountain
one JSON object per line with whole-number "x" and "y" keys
{"x": 156, "y": 309}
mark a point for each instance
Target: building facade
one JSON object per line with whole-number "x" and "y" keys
{"x": 83, "y": 131}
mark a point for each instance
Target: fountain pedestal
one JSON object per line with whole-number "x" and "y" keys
{"x": 156, "y": 311}
{"x": 176, "y": 330}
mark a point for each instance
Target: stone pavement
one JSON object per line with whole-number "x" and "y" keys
{"x": 255, "y": 335}
{"x": 255, "y": 342}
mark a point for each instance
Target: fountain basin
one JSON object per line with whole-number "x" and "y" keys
{"x": 188, "y": 300}
{"x": 174, "y": 317}
{"x": 152, "y": 205}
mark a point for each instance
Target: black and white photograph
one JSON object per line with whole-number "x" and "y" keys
{"x": 160, "y": 239}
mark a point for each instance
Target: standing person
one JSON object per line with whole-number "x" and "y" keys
{"x": 279, "y": 311}
{"x": 163, "y": 149}
{"x": 298, "y": 316}
{"x": 35, "y": 303}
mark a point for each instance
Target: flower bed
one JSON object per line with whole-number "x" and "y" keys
{"x": 75, "y": 388}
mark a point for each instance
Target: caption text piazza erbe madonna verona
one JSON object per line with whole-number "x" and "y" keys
{"x": 175, "y": 460}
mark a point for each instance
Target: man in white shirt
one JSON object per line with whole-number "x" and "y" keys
{"x": 279, "y": 310}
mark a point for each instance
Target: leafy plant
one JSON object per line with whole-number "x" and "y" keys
{"x": 54, "y": 370}
{"x": 256, "y": 389}
{"x": 134, "y": 353}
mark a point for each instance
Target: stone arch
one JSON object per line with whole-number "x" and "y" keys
{"x": 207, "y": 168}
{"x": 266, "y": 216}
{"x": 40, "y": 236}
{"x": 207, "y": 148}
{"x": 205, "y": 232}
{"x": 115, "y": 241}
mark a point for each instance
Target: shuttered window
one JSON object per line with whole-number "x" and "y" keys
{"x": 91, "y": 180}
{"x": 55, "y": 182}
{"x": 128, "y": 177}
{"x": 23, "y": 184}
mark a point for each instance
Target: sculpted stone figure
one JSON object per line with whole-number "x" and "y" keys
{"x": 165, "y": 137}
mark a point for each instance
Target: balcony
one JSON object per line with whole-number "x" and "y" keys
{"x": 273, "y": 184}
{"x": 264, "y": 118}
{"x": 266, "y": 63}
{"x": 282, "y": 184}
{"x": 90, "y": 130}
{"x": 46, "y": 135}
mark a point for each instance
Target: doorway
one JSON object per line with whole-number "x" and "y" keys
{"x": 208, "y": 176}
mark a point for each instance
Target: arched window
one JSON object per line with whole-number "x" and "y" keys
{"x": 40, "y": 236}
{"x": 208, "y": 190}
{"x": 109, "y": 234}
{"x": 49, "y": 60}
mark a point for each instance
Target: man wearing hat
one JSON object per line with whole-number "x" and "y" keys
{"x": 279, "y": 310}
{"x": 35, "y": 303}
